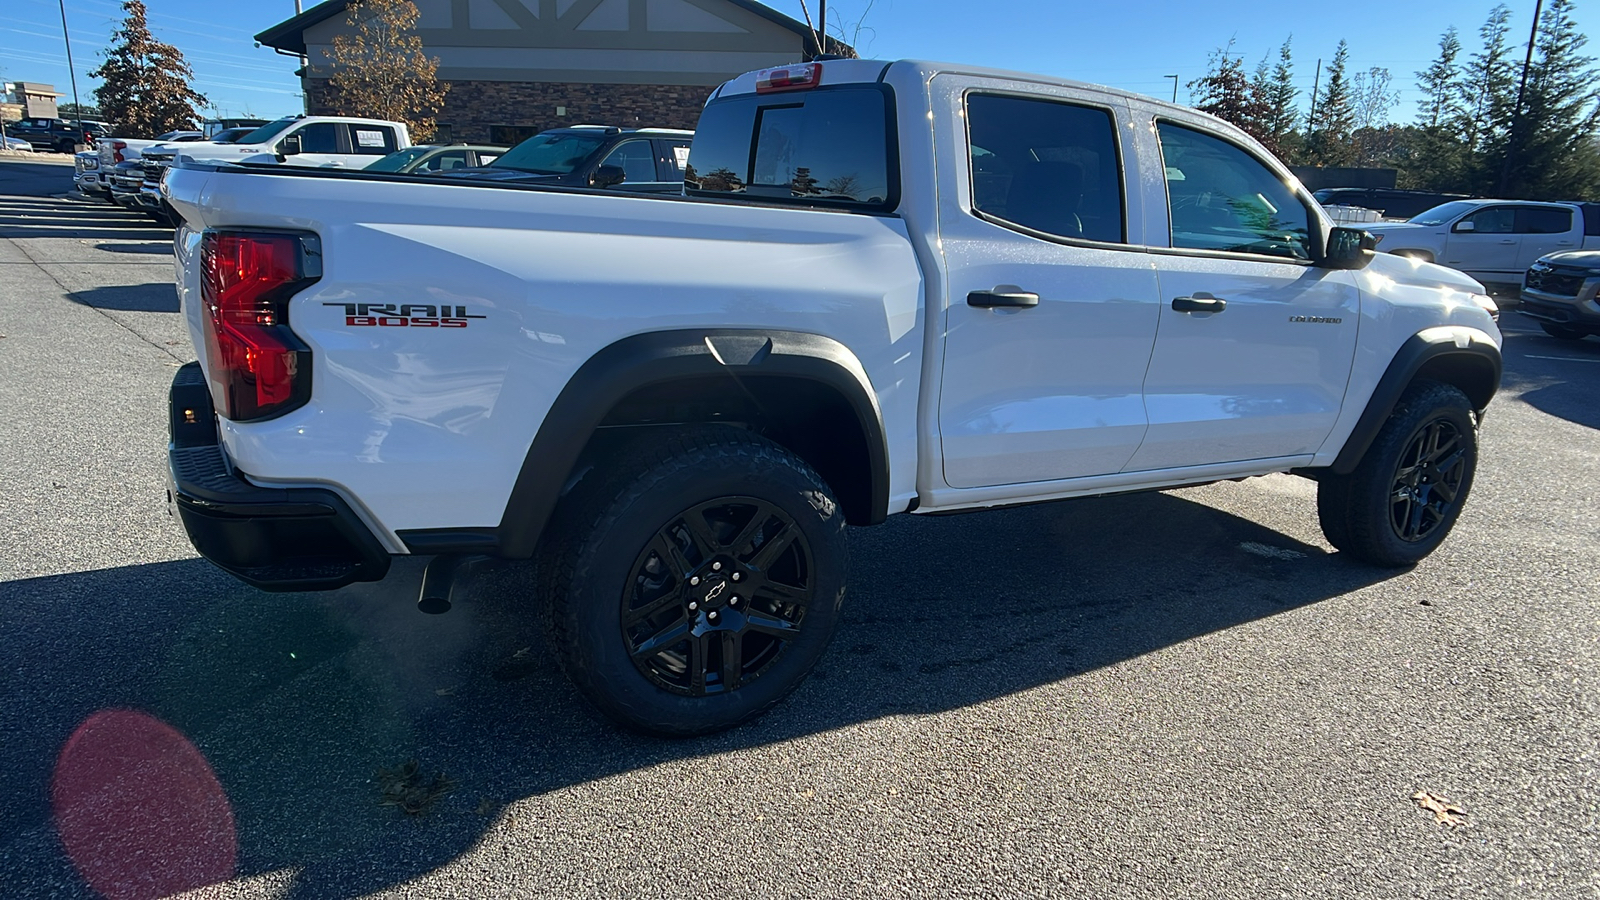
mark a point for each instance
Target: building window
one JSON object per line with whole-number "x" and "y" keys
{"x": 510, "y": 135}
{"x": 443, "y": 133}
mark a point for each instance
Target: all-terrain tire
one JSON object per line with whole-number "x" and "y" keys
{"x": 1408, "y": 490}
{"x": 752, "y": 526}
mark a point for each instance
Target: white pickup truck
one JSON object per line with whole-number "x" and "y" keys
{"x": 338, "y": 142}
{"x": 890, "y": 288}
{"x": 1494, "y": 241}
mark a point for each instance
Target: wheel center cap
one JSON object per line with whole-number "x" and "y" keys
{"x": 716, "y": 593}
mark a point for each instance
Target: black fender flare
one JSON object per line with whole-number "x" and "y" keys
{"x": 1442, "y": 349}
{"x": 646, "y": 360}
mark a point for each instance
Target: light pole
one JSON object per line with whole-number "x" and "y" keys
{"x": 1174, "y": 87}
{"x": 71, "y": 75}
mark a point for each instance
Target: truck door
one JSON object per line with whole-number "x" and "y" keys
{"x": 1255, "y": 344}
{"x": 1486, "y": 244}
{"x": 1051, "y": 313}
{"x": 1545, "y": 229}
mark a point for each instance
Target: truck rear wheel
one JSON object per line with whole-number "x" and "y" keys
{"x": 1407, "y": 492}
{"x": 699, "y": 583}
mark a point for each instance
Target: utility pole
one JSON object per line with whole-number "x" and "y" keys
{"x": 1516, "y": 111}
{"x": 1311, "y": 115}
{"x": 71, "y": 75}
{"x": 1174, "y": 87}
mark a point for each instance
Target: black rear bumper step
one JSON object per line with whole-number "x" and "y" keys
{"x": 277, "y": 539}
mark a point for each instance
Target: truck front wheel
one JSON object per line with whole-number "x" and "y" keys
{"x": 1406, "y": 493}
{"x": 698, "y": 584}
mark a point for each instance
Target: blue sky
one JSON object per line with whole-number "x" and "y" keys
{"x": 1129, "y": 44}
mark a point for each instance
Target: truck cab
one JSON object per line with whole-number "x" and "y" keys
{"x": 1494, "y": 241}
{"x": 312, "y": 141}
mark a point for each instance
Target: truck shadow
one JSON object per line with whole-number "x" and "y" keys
{"x": 297, "y": 700}
{"x": 1555, "y": 376}
{"x": 155, "y": 296}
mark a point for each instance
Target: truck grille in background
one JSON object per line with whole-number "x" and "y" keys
{"x": 1558, "y": 282}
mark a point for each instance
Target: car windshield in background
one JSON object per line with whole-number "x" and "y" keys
{"x": 266, "y": 132}
{"x": 550, "y": 154}
{"x": 1439, "y": 215}
{"x": 398, "y": 160}
{"x": 231, "y": 135}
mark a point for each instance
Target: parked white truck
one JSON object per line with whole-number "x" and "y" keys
{"x": 891, "y": 287}
{"x": 339, "y": 142}
{"x": 1494, "y": 241}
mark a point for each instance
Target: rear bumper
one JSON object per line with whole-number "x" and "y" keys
{"x": 277, "y": 539}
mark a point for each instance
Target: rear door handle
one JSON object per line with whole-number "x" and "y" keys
{"x": 1199, "y": 303}
{"x": 1005, "y": 296}
{"x": 1508, "y": 242}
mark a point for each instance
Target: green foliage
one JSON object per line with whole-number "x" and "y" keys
{"x": 1332, "y": 122}
{"x": 1226, "y": 93}
{"x": 145, "y": 83}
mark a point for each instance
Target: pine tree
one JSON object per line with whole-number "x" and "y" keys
{"x": 381, "y": 70}
{"x": 1437, "y": 154}
{"x": 1279, "y": 97}
{"x": 145, "y": 84}
{"x": 1486, "y": 90}
{"x": 1328, "y": 137}
{"x": 1552, "y": 154}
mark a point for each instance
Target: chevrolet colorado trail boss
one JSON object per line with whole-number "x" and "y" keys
{"x": 887, "y": 288}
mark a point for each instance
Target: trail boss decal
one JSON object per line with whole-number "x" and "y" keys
{"x": 404, "y": 315}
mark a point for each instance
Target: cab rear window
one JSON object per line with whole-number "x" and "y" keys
{"x": 831, "y": 146}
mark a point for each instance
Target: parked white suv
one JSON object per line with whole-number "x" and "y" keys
{"x": 317, "y": 141}
{"x": 892, "y": 287}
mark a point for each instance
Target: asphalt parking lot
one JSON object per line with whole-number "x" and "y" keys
{"x": 1185, "y": 694}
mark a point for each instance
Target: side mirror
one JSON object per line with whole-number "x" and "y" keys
{"x": 289, "y": 146}
{"x": 607, "y": 176}
{"x": 1348, "y": 248}
{"x": 1466, "y": 227}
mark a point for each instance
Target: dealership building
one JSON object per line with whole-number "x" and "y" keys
{"x": 518, "y": 67}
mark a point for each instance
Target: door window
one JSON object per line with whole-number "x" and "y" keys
{"x": 444, "y": 162}
{"x": 372, "y": 140}
{"x": 1494, "y": 220}
{"x": 1544, "y": 220}
{"x": 1046, "y": 166}
{"x": 319, "y": 137}
{"x": 678, "y": 153}
{"x": 1221, "y": 198}
{"x": 637, "y": 159}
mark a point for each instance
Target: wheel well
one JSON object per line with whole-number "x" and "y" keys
{"x": 811, "y": 419}
{"x": 1475, "y": 375}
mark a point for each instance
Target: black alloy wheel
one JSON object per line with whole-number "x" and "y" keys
{"x": 1427, "y": 483}
{"x": 717, "y": 595}
{"x": 1403, "y": 498}
{"x": 694, "y": 578}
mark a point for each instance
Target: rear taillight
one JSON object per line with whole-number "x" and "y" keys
{"x": 258, "y": 367}
{"x": 789, "y": 78}
{"x": 116, "y": 150}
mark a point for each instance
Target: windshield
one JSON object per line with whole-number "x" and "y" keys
{"x": 266, "y": 132}
{"x": 231, "y": 135}
{"x": 398, "y": 160}
{"x": 1439, "y": 215}
{"x": 552, "y": 153}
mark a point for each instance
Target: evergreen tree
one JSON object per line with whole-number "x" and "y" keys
{"x": 1437, "y": 155}
{"x": 1552, "y": 154}
{"x": 1328, "y": 137}
{"x": 1279, "y": 97}
{"x": 1486, "y": 90}
{"x": 380, "y": 69}
{"x": 145, "y": 83}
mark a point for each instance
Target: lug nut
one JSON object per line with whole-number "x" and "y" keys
{"x": 716, "y": 567}
{"x": 694, "y": 580}
{"x": 693, "y": 606}
{"x": 712, "y": 615}
{"x": 734, "y": 600}
{"x": 737, "y": 576}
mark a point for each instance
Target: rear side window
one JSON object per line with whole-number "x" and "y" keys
{"x": 372, "y": 140}
{"x": 1591, "y": 219}
{"x": 1047, "y": 166}
{"x": 1544, "y": 220}
{"x": 826, "y": 146}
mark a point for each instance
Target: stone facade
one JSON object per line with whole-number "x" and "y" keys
{"x": 478, "y": 111}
